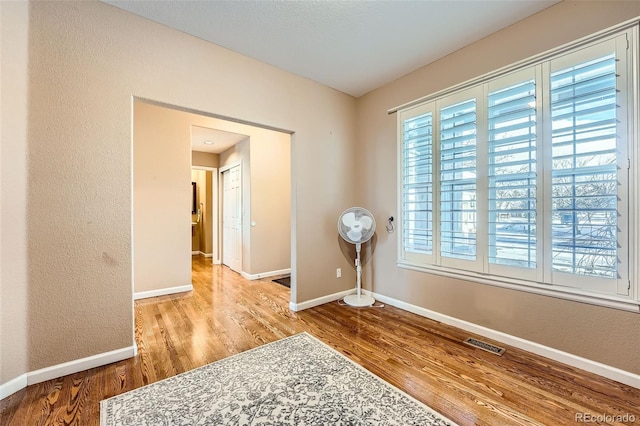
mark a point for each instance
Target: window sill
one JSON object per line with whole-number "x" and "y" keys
{"x": 567, "y": 293}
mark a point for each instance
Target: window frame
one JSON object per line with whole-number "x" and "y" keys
{"x": 540, "y": 282}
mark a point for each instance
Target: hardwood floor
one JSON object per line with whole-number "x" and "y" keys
{"x": 226, "y": 314}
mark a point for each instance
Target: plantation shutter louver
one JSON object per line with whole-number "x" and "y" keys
{"x": 458, "y": 180}
{"x": 417, "y": 181}
{"x": 527, "y": 178}
{"x": 512, "y": 175}
{"x": 584, "y": 189}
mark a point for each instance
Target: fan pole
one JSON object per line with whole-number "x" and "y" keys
{"x": 358, "y": 299}
{"x": 358, "y": 270}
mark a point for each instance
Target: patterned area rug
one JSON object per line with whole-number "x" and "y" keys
{"x": 294, "y": 381}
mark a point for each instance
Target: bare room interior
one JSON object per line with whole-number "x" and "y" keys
{"x": 449, "y": 192}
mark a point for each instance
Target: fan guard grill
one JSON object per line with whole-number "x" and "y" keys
{"x": 356, "y": 225}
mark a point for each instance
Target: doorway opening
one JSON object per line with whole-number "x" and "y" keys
{"x": 204, "y": 214}
{"x": 168, "y": 154}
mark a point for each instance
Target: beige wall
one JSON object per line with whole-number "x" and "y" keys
{"x": 202, "y": 235}
{"x": 79, "y": 174}
{"x": 205, "y": 159}
{"x": 14, "y": 183}
{"x": 195, "y": 239}
{"x": 161, "y": 199}
{"x": 270, "y": 203}
{"x": 86, "y": 60}
{"x": 266, "y": 199}
{"x": 209, "y": 228}
{"x": 601, "y": 334}
{"x": 208, "y": 225}
{"x": 196, "y": 176}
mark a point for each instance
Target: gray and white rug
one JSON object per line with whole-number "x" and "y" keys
{"x": 294, "y": 381}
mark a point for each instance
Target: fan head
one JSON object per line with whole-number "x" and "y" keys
{"x": 356, "y": 225}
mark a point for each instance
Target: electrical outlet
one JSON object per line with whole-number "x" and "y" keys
{"x": 339, "y": 273}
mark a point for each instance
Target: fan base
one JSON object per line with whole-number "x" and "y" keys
{"x": 359, "y": 301}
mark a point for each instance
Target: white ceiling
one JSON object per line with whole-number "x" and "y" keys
{"x": 221, "y": 139}
{"x": 354, "y": 46}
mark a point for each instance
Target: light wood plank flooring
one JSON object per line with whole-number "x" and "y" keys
{"x": 226, "y": 314}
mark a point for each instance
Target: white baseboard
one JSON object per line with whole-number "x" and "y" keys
{"x": 320, "y": 300}
{"x": 71, "y": 367}
{"x": 613, "y": 373}
{"x": 205, "y": 254}
{"x": 81, "y": 364}
{"x": 195, "y": 252}
{"x": 162, "y": 291}
{"x": 13, "y": 386}
{"x": 265, "y": 274}
{"x": 217, "y": 262}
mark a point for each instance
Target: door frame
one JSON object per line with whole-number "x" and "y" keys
{"x": 215, "y": 231}
{"x": 221, "y": 171}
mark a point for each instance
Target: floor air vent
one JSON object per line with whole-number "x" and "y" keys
{"x": 485, "y": 346}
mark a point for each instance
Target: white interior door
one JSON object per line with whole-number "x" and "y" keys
{"x": 232, "y": 219}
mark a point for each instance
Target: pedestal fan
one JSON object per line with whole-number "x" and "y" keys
{"x": 356, "y": 225}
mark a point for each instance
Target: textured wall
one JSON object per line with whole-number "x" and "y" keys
{"x": 161, "y": 199}
{"x": 86, "y": 62}
{"x": 270, "y": 202}
{"x": 14, "y": 28}
{"x": 601, "y": 334}
{"x": 79, "y": 169}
